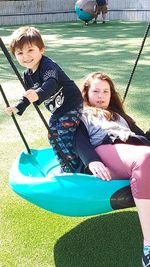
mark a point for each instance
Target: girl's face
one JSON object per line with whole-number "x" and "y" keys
{"x": 99, "y": 94}
{"x": 29, "y": 56}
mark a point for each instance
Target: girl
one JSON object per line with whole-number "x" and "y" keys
{"x": 122, "y": 149}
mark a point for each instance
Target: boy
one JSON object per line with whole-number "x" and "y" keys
{"x": 101, "y": 8}
{"x": 46, "y": 82}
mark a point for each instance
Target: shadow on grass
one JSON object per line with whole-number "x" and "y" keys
{"x": 65, "y": 42}
{"x": 112, "y": 239}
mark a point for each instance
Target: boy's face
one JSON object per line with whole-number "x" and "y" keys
{"x": 29, "y": 56}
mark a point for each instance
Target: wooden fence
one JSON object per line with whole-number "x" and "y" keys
{"x": 45, "y": 11}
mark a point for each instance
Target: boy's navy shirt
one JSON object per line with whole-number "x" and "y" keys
{"x": 59, "y": 93}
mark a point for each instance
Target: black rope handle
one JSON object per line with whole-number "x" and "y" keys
{"x": 8, "y": 56}
{"x": 15, "y": 121}
{"x": 135, "y": 64}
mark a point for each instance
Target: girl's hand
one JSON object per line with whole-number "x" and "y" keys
{"x": 10, "y": 110}
{"x": 31, "y": 95}
{"x": 99, "y": 170}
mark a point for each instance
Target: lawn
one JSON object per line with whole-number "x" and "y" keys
{"x": 34, "y": 237}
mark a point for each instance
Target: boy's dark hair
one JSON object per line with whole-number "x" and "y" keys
{"x": 25, "y": 35}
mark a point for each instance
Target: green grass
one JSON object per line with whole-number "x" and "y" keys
{"x": 29, "y": 235}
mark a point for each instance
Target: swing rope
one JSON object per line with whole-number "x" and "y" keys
{"x": 135, "y": 64}
{"x": 8, "y": 56}
{"x": 15, "y": 121}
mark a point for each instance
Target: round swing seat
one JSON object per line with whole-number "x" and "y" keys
{"x": 36, "y": 177}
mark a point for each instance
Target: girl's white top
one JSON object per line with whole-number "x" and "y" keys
{"x": 98, "y": 127}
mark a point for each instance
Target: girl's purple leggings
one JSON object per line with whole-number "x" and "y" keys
{"x": 129, "y": 162}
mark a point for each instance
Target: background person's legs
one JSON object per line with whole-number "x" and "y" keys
{"x": 103, "y": 10}
{"x": 143, "y": 207}
{"x": 104, "y": 17}
{"x": 97, "y": 13}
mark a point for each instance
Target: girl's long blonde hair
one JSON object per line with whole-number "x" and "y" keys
{"x": 115, "y": 105}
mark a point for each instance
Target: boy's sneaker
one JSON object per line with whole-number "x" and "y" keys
{"x": 146, "y": 259}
